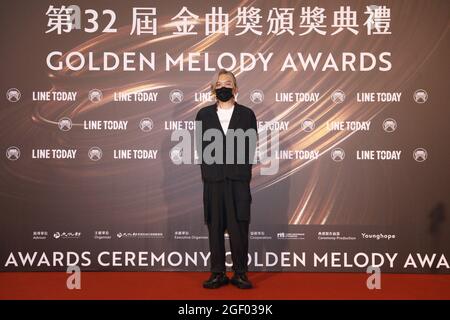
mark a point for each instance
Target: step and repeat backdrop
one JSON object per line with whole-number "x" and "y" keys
{"x": 94, "y": 92}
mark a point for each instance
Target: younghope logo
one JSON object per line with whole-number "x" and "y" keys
{"x": 379, "y": 236}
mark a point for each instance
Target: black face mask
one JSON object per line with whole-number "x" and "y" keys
{"x": 224, "y": 94}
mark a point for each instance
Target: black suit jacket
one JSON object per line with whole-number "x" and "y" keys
{"x": 242, "y": 118}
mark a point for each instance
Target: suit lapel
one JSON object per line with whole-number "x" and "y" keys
{"x": 234, "y": 117}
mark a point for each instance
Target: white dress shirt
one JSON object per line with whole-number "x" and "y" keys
{"x": 225, "y": 117}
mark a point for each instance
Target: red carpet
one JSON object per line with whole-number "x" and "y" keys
{"x": 187, "y": 285}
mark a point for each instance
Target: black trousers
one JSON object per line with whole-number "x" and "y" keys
{"x": 227, "y": 206}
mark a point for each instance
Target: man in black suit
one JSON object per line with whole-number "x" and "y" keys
{"x": 226, "y": 145}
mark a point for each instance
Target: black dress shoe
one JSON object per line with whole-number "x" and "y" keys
{"x": 216, "y": 280}
{"x": 241, "y": 281}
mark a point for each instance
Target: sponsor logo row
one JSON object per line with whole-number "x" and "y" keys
{"x": 13, "y": 153}
{"x": 187, "y": 235}
{"x": 177, "y": 96}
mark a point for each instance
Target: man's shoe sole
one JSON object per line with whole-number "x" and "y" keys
{"x": 216, "y": 285}
{"x": 240, "y": 285}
